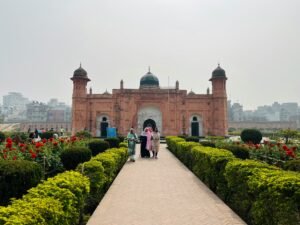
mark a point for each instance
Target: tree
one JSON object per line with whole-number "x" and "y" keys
{"x": 288, "y": 133}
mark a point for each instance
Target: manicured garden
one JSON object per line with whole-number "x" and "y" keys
{"x": 56, "y": 181}
{"x": 261, "y": 193}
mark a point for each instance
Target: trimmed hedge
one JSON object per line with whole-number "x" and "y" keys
{"x": 71, "y": 157}
{"x": 192, "y": 139}
{"x": 208, "y": 144}
{"x": 16, "y": 177}
{"x": 113, "y": 142}
{"x": 57, "y": 201}
{"x": 98, "y": 146}
{"x": 238, "y": 151}
{"x": 293, "y": 165}
{"x": 251, "y": 136}
{"x": 209, "y": 165}
{"x": 261, "y": 194}
{"x": 123, "y": 145}
{"x": 47, "y": 135}
{"x": 102, "y": 170}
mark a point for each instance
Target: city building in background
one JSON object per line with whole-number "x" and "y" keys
{"x": 275, "y": 116}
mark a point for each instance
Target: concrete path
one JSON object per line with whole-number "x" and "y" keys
{"x": 161, "y": 192}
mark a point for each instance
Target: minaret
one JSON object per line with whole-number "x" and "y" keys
{"x": 177, "y": 85}
{"x": 219, "y": 98}
{"x": 79, "y": 100}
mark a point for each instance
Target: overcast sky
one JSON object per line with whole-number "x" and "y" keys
{"x": 257, "y": 42}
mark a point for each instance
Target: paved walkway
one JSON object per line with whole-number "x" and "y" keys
{"x": 161, "y": 192}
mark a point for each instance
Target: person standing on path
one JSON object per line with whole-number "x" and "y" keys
{"x": 149, "y": 140}
{"x": 132, "y": 139}
{"x": 155, "y": 142}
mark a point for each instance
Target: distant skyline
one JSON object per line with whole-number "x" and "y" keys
{"x": 257, "y": 42}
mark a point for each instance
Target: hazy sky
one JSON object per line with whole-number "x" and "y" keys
{"x": 257, "y": 42}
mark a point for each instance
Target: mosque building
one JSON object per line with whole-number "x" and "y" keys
{"x": 172, "y": 110}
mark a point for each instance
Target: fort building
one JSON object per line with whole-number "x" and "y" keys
{"x": 172, "y": 110}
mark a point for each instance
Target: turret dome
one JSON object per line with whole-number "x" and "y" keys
{"x": 80, "y": 72}
{"x": 218, "y": 73}
{"x": 149, "y": 81}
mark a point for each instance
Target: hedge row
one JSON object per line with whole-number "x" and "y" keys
{"x": 16, "y": 177}
{"x": 57, "y": 201}
{"x": 102, "y": 170}
{"x": 261, "y": 194}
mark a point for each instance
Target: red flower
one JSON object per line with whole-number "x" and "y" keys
{"x": 22, "y": 145}
{"x": 39, "y": 144}
{"x": 4, "y": 156}
{"x": 294, "y": 148}
{"x": 285, "y": 148}
{"x": 50, "y": 139}
{"x": 290, "y": 153}
{"x": 8, "y": 140}
{"x": 44, "y": 140}
{"x": 33, "y": 155}
{"x": 15, "y": 157}
{"x": 62, "y": 140}
{"x": 8, "y": 145}
{"x": 55, "y": 143}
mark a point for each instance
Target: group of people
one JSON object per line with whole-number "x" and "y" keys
{"x": 149, "y": 139}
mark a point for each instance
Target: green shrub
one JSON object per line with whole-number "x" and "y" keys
{"x": 293, "y": 165}
{"x": 98, "y": 146}
{"x": 101, "y": 171}
{"x": 47, "y": 135}
{"x": 123, "y": 145}
{"x": 280, "y": 192}
{"x": 192, "y": 139}
{"x": 238, "y": 151}
{"x": 83, "y": 134}
{"x": 59, "y": 200}
{"x": 72, "y": 156}
{"x": 95, "y": 172}
{"x": 251, "y": 136}
{"x": 209, "y": 166}
{"x": 171, "y": 142}
{"x": 208, "y": 144}
{"x": 184, "y": 152}
{"x": 16, "y": 177}
{"x": 237, "y": 173}
{"x": 44, "y": 211}
{"x": 2, "y": 137}
{"x": 113, "y": 142}
{"x": 121, "y": 138}
{"x": 182, "y": 136}
{"x": 109, "y": 165}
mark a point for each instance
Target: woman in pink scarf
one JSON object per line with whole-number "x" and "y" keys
{"x": 149, "y": 136}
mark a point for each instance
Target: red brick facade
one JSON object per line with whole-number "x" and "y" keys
{"x": 173, "y": 111}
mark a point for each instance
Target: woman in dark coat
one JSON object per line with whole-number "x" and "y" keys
{"x": 144, "y": 152}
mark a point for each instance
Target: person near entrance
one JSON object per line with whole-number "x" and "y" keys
{"x": 155, "y": 142}
{"x": 143, "y": 138}
{"x": 132, "y": 139}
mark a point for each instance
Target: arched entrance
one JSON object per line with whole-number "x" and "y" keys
{"x": 149, "y": 123}
{"x": 102, "y": 124}
{"x": 103, "y": 127}
{"x": 196, "y": 128}
{"x": 149, "y": 115}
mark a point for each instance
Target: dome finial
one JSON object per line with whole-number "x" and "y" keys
{"x": 218, "y": 63}
{"x": 148, "y": 69}
{"x": 80, "y": 65}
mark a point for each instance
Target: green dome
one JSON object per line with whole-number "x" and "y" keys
{"x": 149, "y": 80}
{"x": 218, "y": 72}
{"x": 80, "y": 72}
